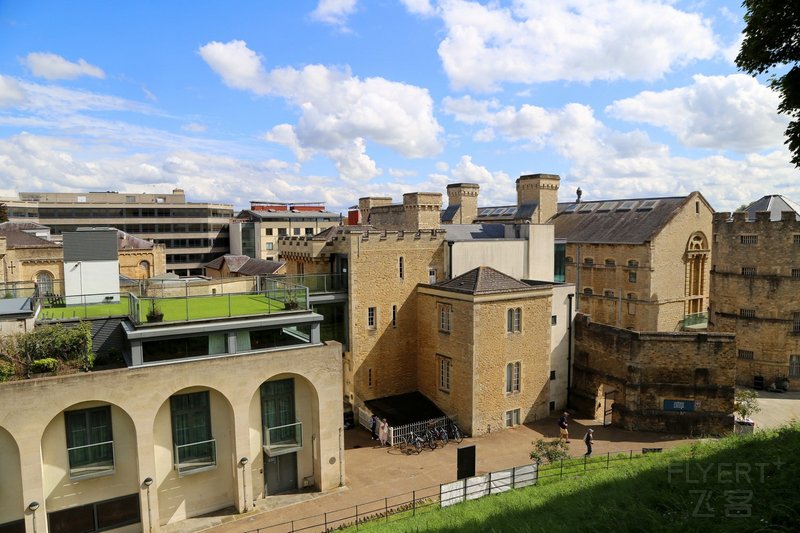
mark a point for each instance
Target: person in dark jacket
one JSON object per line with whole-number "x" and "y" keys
{"x": 563, "y": 427}
{"x": 589, "y": 440}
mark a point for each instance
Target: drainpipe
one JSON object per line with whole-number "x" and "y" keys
{"x": 450, "y": 260}
{"x": 578, "y": 277}
{"x": 569, "y": 346}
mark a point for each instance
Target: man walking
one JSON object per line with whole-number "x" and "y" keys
{"x": 563, "y": 427}
{"x": 589, "y": 440}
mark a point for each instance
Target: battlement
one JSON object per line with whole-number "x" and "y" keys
{"x": 738, "y": 222}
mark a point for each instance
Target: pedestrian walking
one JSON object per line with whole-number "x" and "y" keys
{"x": 374, "y": 426}
{"x": 589, "y": 440}
{"x": 563, "y": 427}
{"x": 383, "y": 432}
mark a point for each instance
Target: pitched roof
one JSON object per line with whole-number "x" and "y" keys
{"x": 775, "y": 204}
{"x": 249, "y": 214}
{"x": 126, "y": 241}
{"x": 17, "y": 239}
{"x": 632, "y": 221}
{"x": 449, "y": 213}
{"x": 244, "y": 265}
{"x": 483, "y": 280}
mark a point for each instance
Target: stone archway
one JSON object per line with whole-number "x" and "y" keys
{"x": 11, "y": 503}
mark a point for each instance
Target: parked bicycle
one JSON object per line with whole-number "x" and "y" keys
{"x": 412, "y": 441}
{"x": 441, "y": 434}
{"x": 430, "y": 438}
{"x": 455, "y": 434}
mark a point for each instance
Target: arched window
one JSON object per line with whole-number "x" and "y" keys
{"x": 144, "y": 265}
{"x": 512, "y": 377}
{"x": 697, "y": 253}
{"x": 514, "y": 320}
{"x": 44, "y": 280}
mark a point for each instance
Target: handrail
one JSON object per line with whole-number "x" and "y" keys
{"x": 92, "y": 445}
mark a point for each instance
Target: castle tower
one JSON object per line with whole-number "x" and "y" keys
{"x": 541, "y": 189}
{"x": 367, "y": 203}
{"x": 422, "y": 210}
{"x": 464, "y": 196}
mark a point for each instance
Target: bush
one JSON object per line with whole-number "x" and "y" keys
{"x": 549, "y": 452}
{"x": 48, "y": 364}
{"x": 56, "y": 341}
{"x": 6, "y": 371}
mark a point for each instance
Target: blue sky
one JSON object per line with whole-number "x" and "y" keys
{"x": 332, "y": 100}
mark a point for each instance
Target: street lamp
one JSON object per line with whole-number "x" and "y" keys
{"x": 243, "y": 463}
{"x": 147, "y": 482}
{"x": 32, "y": 507}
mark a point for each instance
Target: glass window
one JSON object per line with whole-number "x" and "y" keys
{"x": 44, "y": 281}
{"x": 278, "y": 410}
{"x": 445, "y": 366}
{"x": 445, "y": 314}
{"x": 270, "y": 246}
{"x": 195, "y": 448}
{"x": 632, "y": 276}
{"x": 513, "y": 377}
{"x": 296, "y": 231}
{"x": 372, "y": 318}
{"x": 512, "y": 418}
{"x": 282, "y": 232}
{"x": 268, "y": 231}
{"x": 795, "y": 322}
{"x": 394, "y": 316}
{"x": 90, "y": 443}
{"x": 401, "y": 267}
{"x": 514, "y": 320}
{"x": 794, "y": 366}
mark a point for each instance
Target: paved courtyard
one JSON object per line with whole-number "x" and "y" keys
{"x": 374, "y": 473}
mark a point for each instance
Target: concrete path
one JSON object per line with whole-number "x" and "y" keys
{"x": 777, "y": 409}
{"x": 374, "y": 473}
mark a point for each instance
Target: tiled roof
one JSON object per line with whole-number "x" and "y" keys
{"x": 16, "y": 239}
{"x": 615, "y": 221}
{"x": 244, "y": 265}
{"x": 775, "y": 204}
{"x": 483, "y": 280}
{"x": 22, "y": 225}
{"x": 449, "y": 213}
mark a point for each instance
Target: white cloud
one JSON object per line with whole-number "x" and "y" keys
{"x": 339, "y": 111}
{"x": 577, "y": 40}
{"x": 54, "y": 67}
{"x": 732, "y": 112}
{"x": 419, "y": 7}
{"x": 194, "y": 127}
{"x": 401, "y": 173}
{"x": 11, "y": 93}
{"x": 442, "y": 166}
{"x": 334, "y": 12}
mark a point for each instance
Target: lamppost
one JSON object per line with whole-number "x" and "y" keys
{"x": 243, "y": 463}
{"x": 32, "y": 507}
{"x": 147, "y": 482}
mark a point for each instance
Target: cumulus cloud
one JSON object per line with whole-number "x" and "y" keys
{"x": 419, "y": 7}
{"x": 54, "y": 67}
{"x": 11, "y": 93}
{"x": 577, "y": 40}
{"x": 334, "y": 12}
{"x": 340, "y": 112}
{"x": 732, "y": 112}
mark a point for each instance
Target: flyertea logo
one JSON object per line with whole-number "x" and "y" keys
{"x": 738, "y": 500}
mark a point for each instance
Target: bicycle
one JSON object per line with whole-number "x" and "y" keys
{"x": 430, "y": 438}
{"x": 411, "y": 440}
{"x": 455, "y": 434}
{"x": 441, "y": 433}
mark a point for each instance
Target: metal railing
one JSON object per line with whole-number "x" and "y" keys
{"x": 695, "y": 319}
{"x": 60, "y": 307}
{"x": 418, "y": 428}
{"x": 407, "y": 504}
{"x": 91, "y": 459}
{"x": 283, "y": 439}
{"x": 316, "y": 283}
{"x": 195, "y": 457}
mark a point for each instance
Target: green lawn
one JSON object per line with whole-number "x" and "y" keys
{"x": 174, "y": 309}
{"x": 734, "y": 484}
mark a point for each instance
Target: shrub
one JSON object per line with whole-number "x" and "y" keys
{"x": 72, "y": 345}
{"x": 6, "y": 371}
{"x": 550, "y": 452}
{"x": 745, "y": 403}
{"x": 48, "y": 364}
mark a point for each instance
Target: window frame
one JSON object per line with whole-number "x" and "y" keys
{"x": 514, "y": 320}
{"x": 193, "y": 413}
{"x": 513, "y": 418}
{"x": 401, "y": 267}
{"x": 794, "y": 366}
{"x": 91, "y": 438}
{"x": 444, "y": 373}
{"x": 513, "y": 377}
{"x": 372, "y": 318}
{"x": 445, "y": 317}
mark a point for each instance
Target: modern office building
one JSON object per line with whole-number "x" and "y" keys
{"x": 193, "y": 233}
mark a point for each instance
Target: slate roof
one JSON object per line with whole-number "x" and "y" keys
{"x": 22, "y": 225}
{"x": 244, "y": 265}
{"x": 126, "y": 241}
{"x": 471, "y": 232}
{"x": 17, "y": 239}
{"x": 449, "y": 213}
{"x": 633, "y": 221}
{"x": 483, "y": 280}
{"x": 775, "y": 204}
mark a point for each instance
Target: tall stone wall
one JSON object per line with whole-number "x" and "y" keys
{"x": 755, "y": 294}
{"x": 649, "y": 369}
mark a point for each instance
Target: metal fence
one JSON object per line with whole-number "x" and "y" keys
{"x": 396, "y": 433}
{"x": 407, "y": 504}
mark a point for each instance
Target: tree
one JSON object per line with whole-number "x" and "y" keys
{"x": 745, "y": 403}
{"x": 3, "y": 213}
{"x": 772, "y": 44}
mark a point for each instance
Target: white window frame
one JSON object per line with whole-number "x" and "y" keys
{"x": 372, "y": 317}
{"x": 513, "y": 377}
{"x": 445, "y": 317}
{"x": 445, "y": 373}
{"x": 512, "y": 418}
{"x": 514, "y": 320}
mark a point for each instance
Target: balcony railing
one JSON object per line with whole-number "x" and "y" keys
{"x": 195, "y": 457}
{"x": 696, "y": 321}
{"x": 91, "y": 460}
{"x": 283, "y": 439}
{"x": 316, "y": 283}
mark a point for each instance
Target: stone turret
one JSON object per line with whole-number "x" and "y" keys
{"x": 465, "y": 197}
{"x": 541, "y": 189}
{"x": 422, "y": 210}
{"x": 367, "y": 203}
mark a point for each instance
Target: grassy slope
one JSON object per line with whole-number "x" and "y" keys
{"x": 657, "y": 492}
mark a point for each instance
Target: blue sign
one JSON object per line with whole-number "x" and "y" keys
{"x": 679, "y": 405}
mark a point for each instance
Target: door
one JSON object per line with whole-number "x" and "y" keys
{"x": 280, "y": 474}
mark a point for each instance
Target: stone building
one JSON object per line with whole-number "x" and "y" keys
{"x": 27, "y": 259}
{"x": 230, "y": 266}
{"x": 207, "y": 414}
{"x": 755, "y": 289}
{"x": 138, "y": 258}
{"x": 654, "y": 381}
{"x": 641, "y": 264}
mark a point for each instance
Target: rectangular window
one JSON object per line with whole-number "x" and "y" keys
{"x": 748, "y": 271}
{"x": 588, "y": 261}
{"x": 632, "y": 276}
{"x": 552, "y": 406}
{"x": 608, "y": 293}
{"x": 431, "y": 276}
{"x": 270, "y": 246}
{"x": 195, "y": 448}
{"x": 794, "y": 366}
{"x": 796, "y": 273}
{"x": 513, "y": 377}
{"x": 394, "y": 316}
{"x": 372, "y": 321}
{"x": 309, "y": 231}
{"x": 90, "y": 443}
{"x": 588, "y": 291}
{"x": 514, "y": 320}
{"x": 369, "y": 378}
{"x": 748, "y": 239}
{"x": 400, "y": 267}
{"x": 281, "y": 429}
{"x": 296, "y": 231}
{"x": 512, "y": 418}
{"x": 611, "y": 263}
{"x": 633, "y": 263}
{"x": 97, "y": 516}
{"x": 747, "y": 313}
{"x": 268, "y": 231}
{"x": 552, "y": 375}
{"x": 796, "y": 239}
{"x": 445, "y": 312}
{"x": 445, "y": 367}
{"x": 282, "y": 232}
{"x": 553, "y": 320}
{"x": 795, "y": 322}
{"x": 746, "y": 354}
